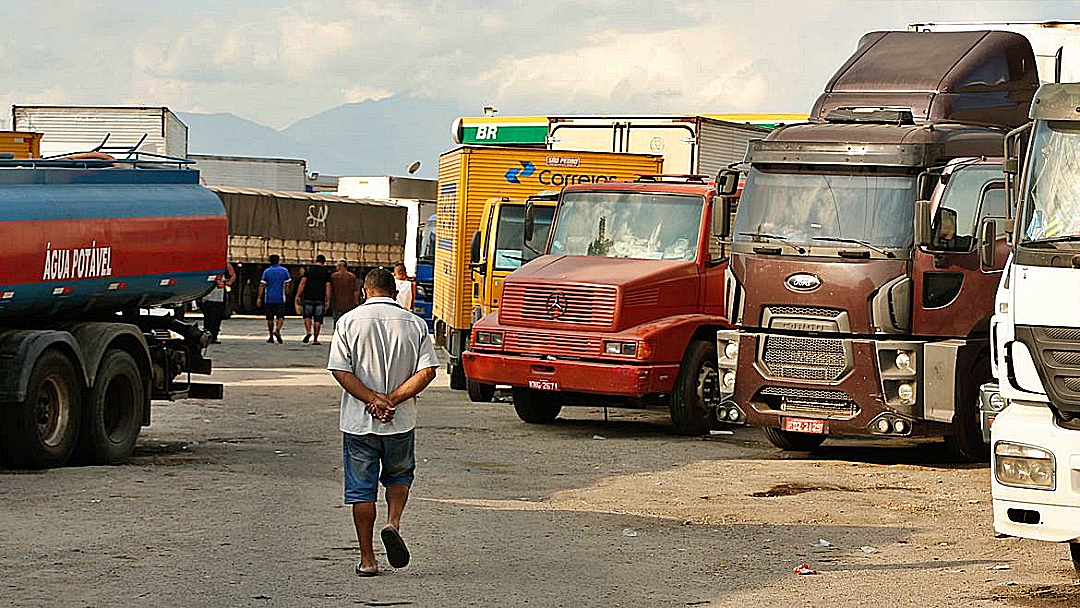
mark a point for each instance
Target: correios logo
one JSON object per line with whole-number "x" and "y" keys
{"x": 553, "y": 177}
{"x": 514, "y": 175}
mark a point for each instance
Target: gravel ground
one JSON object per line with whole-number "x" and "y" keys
{"x": 238, "y": 502}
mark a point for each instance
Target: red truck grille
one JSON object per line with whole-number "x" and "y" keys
{"x": 536, "y": 343}
{"x": 558, "y": 304}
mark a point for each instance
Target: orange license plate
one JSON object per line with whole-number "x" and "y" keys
{"x": 804, "y": 425}
{"x": 543, "y": 384}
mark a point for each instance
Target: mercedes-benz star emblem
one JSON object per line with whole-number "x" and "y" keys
{"x": 556, "y": 305}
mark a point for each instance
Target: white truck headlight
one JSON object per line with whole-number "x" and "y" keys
{"x": 903, "y": 362}
{"x": 731, "y": 350}
{"x": 1023, "y": 466}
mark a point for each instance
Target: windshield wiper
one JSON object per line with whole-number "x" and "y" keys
{"x": 1054, "y": 239}
{"x": 773, "y": 237}
{"x": 840, "y": 239}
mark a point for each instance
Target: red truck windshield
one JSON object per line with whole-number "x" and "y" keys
{"x": 641, "y": 225}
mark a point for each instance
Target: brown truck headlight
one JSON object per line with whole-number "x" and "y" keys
{"x": 1023, "y": 466}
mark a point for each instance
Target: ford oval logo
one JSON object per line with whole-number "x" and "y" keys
{"x": 803, "y": 282}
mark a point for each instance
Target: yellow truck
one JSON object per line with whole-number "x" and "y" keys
{"x": 498, "y": 249}
{"x": 469, "y": 176}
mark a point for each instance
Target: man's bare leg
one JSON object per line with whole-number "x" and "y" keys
{"x": 364, "y": 520}
{"x": 396, "y": 496}
{"x": 307, "y": 326}
{"x": 270, "y": 326}
{"x": 318, "y": 328}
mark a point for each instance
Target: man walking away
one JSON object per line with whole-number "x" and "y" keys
{"x": 406, "y": 289}
{"x": 383, "y": 357}
{"x": 313, "y": 296}
{"x": 272, "y": 287}
{"x": 213, "y": 305}
{"x": 344, "y": 290}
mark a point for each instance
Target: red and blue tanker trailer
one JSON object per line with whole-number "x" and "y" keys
{"x": 90, "y": 245}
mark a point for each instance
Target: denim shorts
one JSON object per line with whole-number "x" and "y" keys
{"x": 363, "y": 457}
{"x": 314, "y": 310}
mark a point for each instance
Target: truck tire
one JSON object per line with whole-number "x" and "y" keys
{"x": 793, "y": 442}
{"x": 42, "y": 431}
{"x": 536, "y": 407}
{"x": 966, "y": 442}
{"x": 1074, "y": 551}
{"x": 689, "y": 402}
{"x": 114, "y": 413}
{"x": 480, "y": 392}
{"x": 458, "y": 381}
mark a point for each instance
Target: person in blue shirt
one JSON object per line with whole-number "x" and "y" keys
{"x": 272, "y": 294}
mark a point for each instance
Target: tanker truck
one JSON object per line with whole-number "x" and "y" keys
{"x": 91, "y": 245}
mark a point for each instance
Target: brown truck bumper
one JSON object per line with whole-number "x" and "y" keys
{"x": 852, "y": 384}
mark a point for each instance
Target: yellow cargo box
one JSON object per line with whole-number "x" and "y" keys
{"x": 22, "y": 144}
{"x": 468, "y": 177}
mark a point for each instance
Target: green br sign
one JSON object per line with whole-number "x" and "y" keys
{"x": 480, "y": 131}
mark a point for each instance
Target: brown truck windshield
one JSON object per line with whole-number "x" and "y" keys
{"x": 814, "y": 209}
{"x": 641, "y": 225}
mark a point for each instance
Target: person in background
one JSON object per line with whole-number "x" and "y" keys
{"x": 313, "y": 297}
{"x": 213, "y": 305}
{"x": 406, "y": 289}
{"x": 344, "y": 290}
{"x": 382, "y": 357}
{"x": 272, "y": 292}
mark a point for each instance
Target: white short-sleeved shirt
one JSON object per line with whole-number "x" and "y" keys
{"x": 384, "y": 345}
{"x": 404, "y": 294}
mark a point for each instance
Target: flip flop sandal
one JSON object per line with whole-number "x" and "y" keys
{"x": 396, "y": 551}
{"x": 365, "y": 573}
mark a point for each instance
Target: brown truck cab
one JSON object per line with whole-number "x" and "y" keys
{"x": 859, "y": 278}
{"x": 622, "y": 309}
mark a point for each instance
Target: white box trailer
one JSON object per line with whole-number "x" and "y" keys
{"x": 417, "y": 195}
{"x": 79, "y": 128}
{"x": 285, "y": 174}
{"x": 1056, "y": 43}
{"x": 689, "y": 144}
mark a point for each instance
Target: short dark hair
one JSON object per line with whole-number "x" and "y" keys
{"x": 381, "y": 281}
{"x": 320, "y": 258}
{"x": 274, "y": 259}
{"x": 399, "y": 267}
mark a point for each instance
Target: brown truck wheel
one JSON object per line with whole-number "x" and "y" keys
{"x": 114, "y": 413}
{"x": 698, "y": 374}
{"x": 537, "y": 407}
{"x": 41, "y": 431}
{"x": 966, "y": 442}
{"x": 458, "y": 381}
{"x": 1074, "y": 551}
{"x": 793, "y": 442}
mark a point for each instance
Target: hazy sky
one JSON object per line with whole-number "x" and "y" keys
{"x": 277, "y": 61}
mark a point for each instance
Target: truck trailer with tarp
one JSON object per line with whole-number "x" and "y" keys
{"x": 298, "y": 226}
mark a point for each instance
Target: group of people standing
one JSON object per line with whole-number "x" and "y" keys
{"x": 318, "y": 293}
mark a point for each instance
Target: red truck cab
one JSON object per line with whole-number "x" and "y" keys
{"x": 622, "y": 309}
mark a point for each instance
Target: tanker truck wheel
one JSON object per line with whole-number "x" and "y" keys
{"x": 41, "y": 432}
{"x": 536, "y": 407}
{"x": 480, "y": 392}
{"x": 695, "y": 389}
{"x": 114, "y": 413}
{"x": 793, "y": 442}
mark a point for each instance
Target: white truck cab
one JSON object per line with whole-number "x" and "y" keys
{"x": 1033, "y": 414}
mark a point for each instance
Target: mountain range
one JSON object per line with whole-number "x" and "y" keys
{"x": 376, "y": 137}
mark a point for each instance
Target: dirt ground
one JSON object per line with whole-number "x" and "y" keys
{"x": 238, "y": 502}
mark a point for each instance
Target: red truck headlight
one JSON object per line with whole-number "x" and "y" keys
{"x": 492, "y": 339}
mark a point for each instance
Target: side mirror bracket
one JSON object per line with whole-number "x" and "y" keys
{"x": 727, "y": 182}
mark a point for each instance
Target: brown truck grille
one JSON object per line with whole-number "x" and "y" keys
{"x": 537, "y": 343}
{"x": 810, "y": 401}
{"x": 804, "y": 358}
{"x": 804, "y": 311}
{"x": 558, "y": 304}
